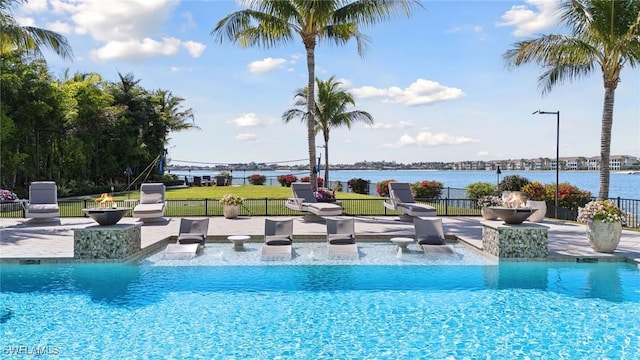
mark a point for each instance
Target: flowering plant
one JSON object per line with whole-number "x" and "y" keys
{"x": 324, "y": 195}
{"x": 257, "y": 179}
{"x": 6, "y": 195}
{"x": 308, "y": 179}
{"x": 286, "y": 180}
{"x": 605, "y": 210}
{"x": 488, "y": 200}
{"x": 231, "y": 199}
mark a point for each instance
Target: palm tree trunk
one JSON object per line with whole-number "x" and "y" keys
{"x": 605, "y": 142}
{"x": 326, "y": 164}
{"x": 311, "y": 121}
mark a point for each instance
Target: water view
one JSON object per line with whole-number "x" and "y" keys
{"x": 622, "y": 185}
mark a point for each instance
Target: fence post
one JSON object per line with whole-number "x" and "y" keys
{"x": 206, "y": 207}
{"x": 446, "y": 205}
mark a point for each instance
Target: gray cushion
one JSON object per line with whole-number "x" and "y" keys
{"x": 429, "y": 240}
{"x": 340, "y": 239}
{"x": 278, "y": 240}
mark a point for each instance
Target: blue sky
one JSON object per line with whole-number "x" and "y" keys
{"x": 435, "y": 83}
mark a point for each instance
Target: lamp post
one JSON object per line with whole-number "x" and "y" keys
{"x": 498, "y": 172}
{"x": 557, "y": 114}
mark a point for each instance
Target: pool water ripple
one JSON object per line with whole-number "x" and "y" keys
{"x": 513, "y": 310}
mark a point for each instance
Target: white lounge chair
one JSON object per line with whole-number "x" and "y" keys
{"x": 430, "y": 235}
{"x": 341, "y": 239}
{"x": 401, "y": 198}
{"x": 304, "y": 200}
{"x": 152, "y": 202}
{"x": 278, "y": 239}
{"x": 43, "y": 200}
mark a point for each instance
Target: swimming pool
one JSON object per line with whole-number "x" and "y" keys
{"x": 511, "y": 310}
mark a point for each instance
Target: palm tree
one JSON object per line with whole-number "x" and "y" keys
{"x": 605, "y": 36}
{"x": 330, "y": 112}
{"x": 268, "y": 23}
{"x": 28, "y": 38}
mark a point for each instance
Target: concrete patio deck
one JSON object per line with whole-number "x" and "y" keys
{"x": 23, "y": 239}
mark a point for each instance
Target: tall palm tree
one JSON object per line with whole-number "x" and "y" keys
{"x": 28, "y": 38}
{"x": 605, "y": 36}
{"x": 330, "y": 112}
{"x": 268, "y": 23}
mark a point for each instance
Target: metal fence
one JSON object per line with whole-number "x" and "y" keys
{"x": 276, "y": 207}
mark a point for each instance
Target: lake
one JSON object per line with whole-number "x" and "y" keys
{"x": 621, "y": 185}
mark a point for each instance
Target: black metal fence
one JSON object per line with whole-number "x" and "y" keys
{"x": 276, "y": 207}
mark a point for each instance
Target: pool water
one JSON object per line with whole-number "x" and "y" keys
{"x": 511, "y": 310}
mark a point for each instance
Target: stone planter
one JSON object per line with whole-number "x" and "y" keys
{"x": 539, "y": 215}
{"x": 231, "y": 211}
{"x": 604, "y": 237}
{"x": 488, "y": 214}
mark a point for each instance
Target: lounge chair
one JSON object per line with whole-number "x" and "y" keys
{"x": 430, "y": 235}
{"x": 193, "y": 231}
{"x": 304, "y": 200}
{"x": 401, "y": 198}
{"x": 278, "y": 239}
{"x": 152, "y": 202}
{"x": 341, "y": 239}
{"x": 43, "y": 200}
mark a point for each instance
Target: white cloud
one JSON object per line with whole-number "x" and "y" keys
{"x": 179, "y": 69}
{"x": 189, "y": 23}
{"x": 136, "y": 50}
{"x": 398, "y": 125}
{"x": 60, "y": 27}
{"x": 34, "y": 6}
{"x": 426, "y": 138}
{"x": 194, "y": 48}
{"x": 246, "y": 137}
{"x": 483, "y": 153}
{"x": 266, "y": 64}
{"x": 246, "y": 120}
{"x": 421, "y": 92}
{"x": 25, "y": 21}
{"x": 528, "y": 21}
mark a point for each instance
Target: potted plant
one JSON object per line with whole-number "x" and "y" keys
{"x": 231, "y": 205}
{"x": 286, "y": 180}
{"x": 604, "y": 221}
{"x": 485, "y": 202}
{"x": 536, "y": 194}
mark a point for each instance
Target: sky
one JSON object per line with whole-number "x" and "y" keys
{"x": 435, "y": 83}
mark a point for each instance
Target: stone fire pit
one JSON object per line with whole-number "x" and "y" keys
{"x": 106, "y": 216}
{"x": 513, "y": 216}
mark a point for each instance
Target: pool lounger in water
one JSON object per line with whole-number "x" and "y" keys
{"x": 181, "y": 251}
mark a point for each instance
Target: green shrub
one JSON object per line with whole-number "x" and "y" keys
{"x": 382, "y": 187}
{"x": 512, "y": 183}
{"x": 429, "y": 190}
{"x": 535, "y": 191}
{"x": 569, "y": 196}
{"x": 479, "y": 189}
{"x": 359, "y": 186}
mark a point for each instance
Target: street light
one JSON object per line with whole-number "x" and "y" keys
{"x": 557, "y": 114}
{"x": 498, "y": 172}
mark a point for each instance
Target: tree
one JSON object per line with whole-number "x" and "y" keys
{"x": 605, "y": 36}
{"x": 28, "y": 39}
{"x": 330, "y": 112}
{"x": 268, "y": 23}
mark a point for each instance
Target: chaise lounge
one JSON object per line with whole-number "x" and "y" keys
{"x": 278, "y": 239}
{"x": 341, "y": 239}
{"x": 43, "y": 200}
{"x": 304, "y": 200}
{"x": 152, "y": 203}
{"x": 430, "y": 235}
{"x": 401, "y": 198}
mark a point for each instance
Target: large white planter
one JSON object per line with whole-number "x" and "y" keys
{"x": 231, "y": 211}
{"x": 539, "y": 215}
{"x": 604, "y": 237}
